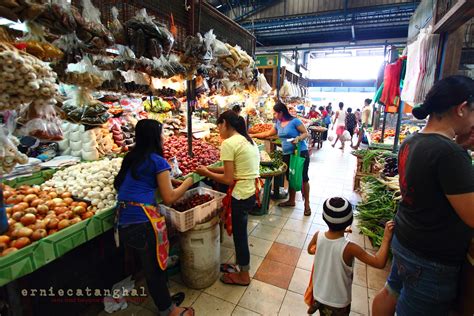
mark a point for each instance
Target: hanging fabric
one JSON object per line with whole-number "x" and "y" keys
{"x": 391, "y": 90}
{"x": 421, "y": 66}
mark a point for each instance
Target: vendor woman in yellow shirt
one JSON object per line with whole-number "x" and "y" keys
{"x": 241, "y": 173}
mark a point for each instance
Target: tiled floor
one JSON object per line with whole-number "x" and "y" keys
{"x": 280, "y": 264}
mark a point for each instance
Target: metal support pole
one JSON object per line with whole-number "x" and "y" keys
{"x": 190, "y": 89}
{"x": 383, "y": 125}
{"x": 278, "y": 75}
{"x": 397, "y": 129}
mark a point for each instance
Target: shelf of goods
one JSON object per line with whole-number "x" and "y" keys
{"x": 81, "y": 95}
{"x": 41, "y": 252}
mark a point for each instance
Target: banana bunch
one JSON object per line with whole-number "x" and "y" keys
{"x": 158, "y": 106}
{"x": 238, "y": 58}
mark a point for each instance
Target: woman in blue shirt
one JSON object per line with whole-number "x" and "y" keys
{"x": 287, "y": 128}
{"x": 139, "y": 223}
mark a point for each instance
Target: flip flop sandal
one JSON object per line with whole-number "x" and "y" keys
{"x": 178, "y": 298}
{"x": 229, "y": 268}
{"x": 307, "y": 212}
{"x": 286, "y": 204}
{"x": 227, "y": 279}
{"x": 187, "y": 309}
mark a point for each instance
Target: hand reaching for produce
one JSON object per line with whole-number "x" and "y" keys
{"x": 202, "y": 171}
{"x": 388, "y": 233}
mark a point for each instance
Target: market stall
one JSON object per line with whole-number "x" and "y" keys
{"x": 75, "y": 85}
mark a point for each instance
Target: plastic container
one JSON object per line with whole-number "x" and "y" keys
{"x": 184, "y": 221}
{"x": 200, "y": 254}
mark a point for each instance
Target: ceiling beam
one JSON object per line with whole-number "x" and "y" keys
{"x": 261, "y": 5}
{"x": 340, "y": 44}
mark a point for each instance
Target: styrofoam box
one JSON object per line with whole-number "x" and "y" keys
{"x": 184, "y": 221}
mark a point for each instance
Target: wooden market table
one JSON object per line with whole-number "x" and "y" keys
{"x": 317, "y": 135}
{"x": 267, "y": 188}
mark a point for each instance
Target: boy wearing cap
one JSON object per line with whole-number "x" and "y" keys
{"x": 334, "y": 259}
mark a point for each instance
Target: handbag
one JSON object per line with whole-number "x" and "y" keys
{"x": 296, "y": 167}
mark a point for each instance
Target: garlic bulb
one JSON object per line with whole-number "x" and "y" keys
{"x": 87, "y": 181}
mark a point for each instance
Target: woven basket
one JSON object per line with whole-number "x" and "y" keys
{"x": 283, "y": 168}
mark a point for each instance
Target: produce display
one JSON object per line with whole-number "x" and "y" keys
{"x": 377, "y": 136}
{"x": 204, "y": 153}
{"x": 259, "y": 128}
{"x": 214, "y": 139}
{"x": 265, "y": 157}
{"x": 65, "y": 80}
{"x": 86, "y": 110}
{"x": 191, "y": 202}
{"x": 123, "y": 135}
{"x": 158, "y": 105}
{"x": 371, "y": 159}
{"x": 91, "y": 181}
{"x": 390, "y": 167}
{"x": 35, "y": 213}
{"x": 379, "y": 205}
{"x": 276, "y": 166}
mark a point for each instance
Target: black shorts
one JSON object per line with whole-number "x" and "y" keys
{"x": 304, "y": 154}
{"x": 351, "y": 131}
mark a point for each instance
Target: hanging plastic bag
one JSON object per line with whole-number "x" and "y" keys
{"x": 9, "y": 154}
{"x": 116, "y": 27}
{"x": 218, "y": 48}
{"x": 175, "y": 171}
{"x": 43, "y": 122}
{"x": 90, "y": 28}
{"x": 346, "y": 136}
{"x": 262, "y": 84}
{"x": 296, "y": 170}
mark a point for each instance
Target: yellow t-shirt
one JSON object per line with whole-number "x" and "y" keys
{"x": 246, "y": 160}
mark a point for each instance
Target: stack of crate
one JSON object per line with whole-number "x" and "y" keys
{"x": 360, "y": 172}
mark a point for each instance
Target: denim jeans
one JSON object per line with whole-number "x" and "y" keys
{"x": 141, "y": 238}
{"x": 240, "y": 211}
{"x": 423, "y": 287}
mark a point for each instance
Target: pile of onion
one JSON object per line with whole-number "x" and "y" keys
{"x": 34, "y": 214}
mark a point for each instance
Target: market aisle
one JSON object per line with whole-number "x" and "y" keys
{"x": 280, "y": 264}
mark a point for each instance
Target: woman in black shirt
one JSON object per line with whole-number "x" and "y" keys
{"x": 435, "y": 220}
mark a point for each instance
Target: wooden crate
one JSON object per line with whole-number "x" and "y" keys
{"x": 357, "y": 180}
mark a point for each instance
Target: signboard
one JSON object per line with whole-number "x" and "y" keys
{"x": 266, "y": 61}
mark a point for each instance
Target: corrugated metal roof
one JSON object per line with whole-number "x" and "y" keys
{"x": 299, "y": 7}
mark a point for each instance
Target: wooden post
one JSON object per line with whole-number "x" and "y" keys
{"x": 451, "y": 52}
{"x": 398, "y": 126}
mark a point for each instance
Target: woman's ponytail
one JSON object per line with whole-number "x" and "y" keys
{"x": 242, "y": 129}
{"x": 236, "y": 122}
